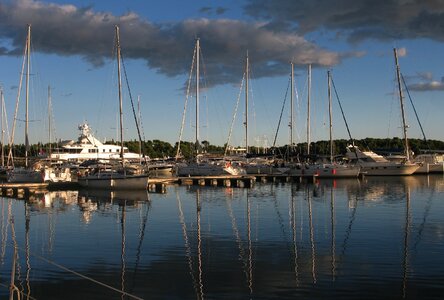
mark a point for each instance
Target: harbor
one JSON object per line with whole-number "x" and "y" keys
{"x": 250, "y": 149}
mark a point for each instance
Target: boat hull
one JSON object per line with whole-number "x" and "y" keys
{"x": 135, "y": 182}
{"x": 389, "y": 169}
{"x": 162, "y": 171}
{"x": 265, "y": 169}
{"x": 205, "y": 169}
{"x": 326, "y": 171}
{"x": 436, "y": 168}
{"x": 423, "y": 169}
{"x": 22, "y": 175}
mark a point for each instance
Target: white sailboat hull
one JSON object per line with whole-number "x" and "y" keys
{"x": 265, "y": 169}
{"x": 114, "y": 182}
{"x": 388, "y": 169}
{"x": 326, "y": 170}
{"x": 436, "y": 168}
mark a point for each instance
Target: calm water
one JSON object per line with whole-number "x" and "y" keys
{"x": 343, "y": 239}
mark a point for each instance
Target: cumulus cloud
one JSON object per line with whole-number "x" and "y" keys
{"x": 165, "y": 47}
{"x": 427, "y": 83}
{"x": 358, "y": 20}
{"x": 423, "y": 82}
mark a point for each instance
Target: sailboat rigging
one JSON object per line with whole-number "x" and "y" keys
{"x": 430, "y": 162}
{"x": 24, "y": 174}
{"x": 200, "y": 166}
{"x": 374, "y": 164}
{"x": 4, "y": 130}
{"x": 331, "y": 169}
{"x": 116, "y": 178}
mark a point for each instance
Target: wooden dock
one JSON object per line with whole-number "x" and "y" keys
{"x": 243, "y": 181}
{"x": 220, "y": 180}
{"x": 285, "y": 178}
{"x": 158, "y": 184}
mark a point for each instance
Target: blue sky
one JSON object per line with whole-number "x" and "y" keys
{"x": 72, "y": 47}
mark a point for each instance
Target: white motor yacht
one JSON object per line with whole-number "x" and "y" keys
{"x": 375, "y": 164}
{"x": 88, "y": 147}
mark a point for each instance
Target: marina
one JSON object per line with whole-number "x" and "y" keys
{"x": 230, "y": 150}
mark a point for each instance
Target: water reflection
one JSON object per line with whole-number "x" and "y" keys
{"x": 292, "y": 217}
{"x": 333, "y": 235}
{"x": 196, "y": 278}
{"x": 406, "y": 242}
{"x": 312, "y": 242}
{"x": 340, "y": 239}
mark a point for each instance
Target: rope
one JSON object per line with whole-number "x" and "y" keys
{"x": 11, "y": 141}
{"x": 343, "y": 116}
{"x": 282, "y": 112}
{"x": 234, "y": 115}
{"x": 342, "y": 111}
{"x": 134, "y": 110}
{"x": 81, "y": 275}
{"x": 414, "y": 109}
{"x": 186, "y": 103}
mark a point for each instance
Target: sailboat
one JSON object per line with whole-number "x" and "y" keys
{"x": 256, "y": 165}
{"x": 201, "y": 166}
{"x": 330, "y": 169}
{"x": 116, "y": 178}
{"x": 375, "y": 164}
{"x": 56, "y": 173}
{"x": 24, "y": 174}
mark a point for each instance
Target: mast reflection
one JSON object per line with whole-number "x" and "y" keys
{"x": 198, "y": 288}
{"x": 312, "y": 242}
{"x": 123, "y": 243}
{"x": 405, "y": 262}
{"x": 294, "y": 239}
{"x": 333, "y": 234}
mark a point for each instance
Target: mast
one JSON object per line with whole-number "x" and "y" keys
{"x": 2, "y": 99}
{"x": 246, "y": 103}
{"x": 292, "y": 105}
{"x": 308, "y": 109}
{"x": 49, "y": 120}
{"x": 120, "y": 95}
{"x": 197, "y": 94}
{"x": 28, "y": 53}
{"x": 330, "y": 115}
{"x": 139, "y": 121}
{"x": 401, "y": 99}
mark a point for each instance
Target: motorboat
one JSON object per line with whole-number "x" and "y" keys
{"x": 372, "y": 163}
{"x": 88, "y": 147}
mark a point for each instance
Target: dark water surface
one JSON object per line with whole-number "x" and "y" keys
{"x": 376, "y": 238}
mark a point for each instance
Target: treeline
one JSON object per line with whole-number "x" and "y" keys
{"x": 161, "y": 149}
